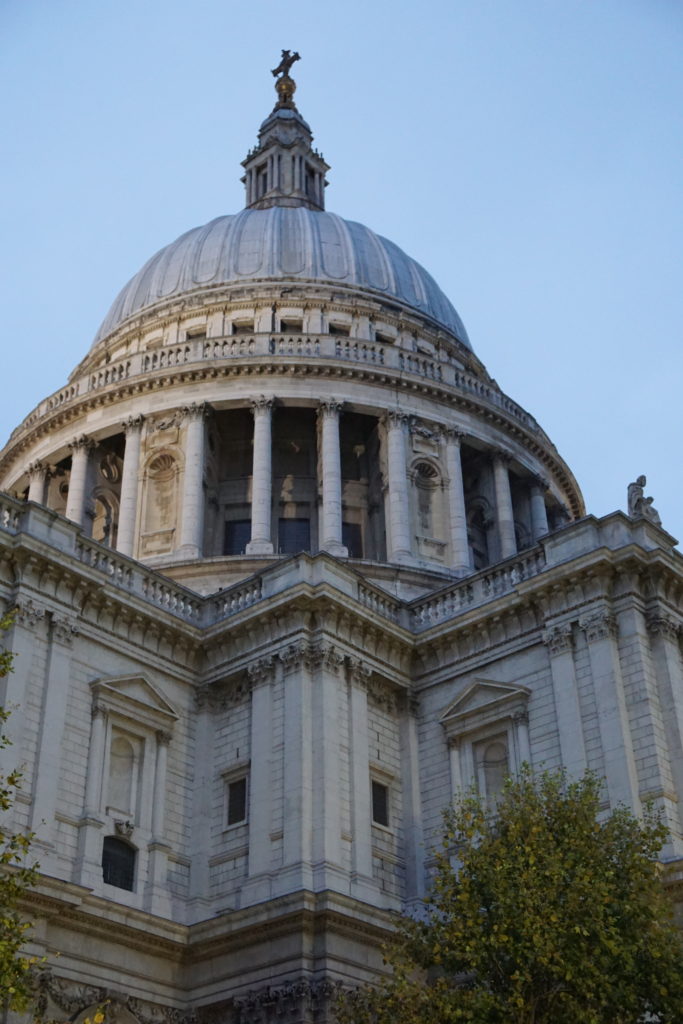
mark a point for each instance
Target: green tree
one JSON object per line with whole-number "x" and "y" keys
{"x": 544, "y": 913}
{"x": 16, "y": 986}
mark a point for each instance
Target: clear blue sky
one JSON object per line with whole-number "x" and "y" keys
{"x": 527, "y": 152}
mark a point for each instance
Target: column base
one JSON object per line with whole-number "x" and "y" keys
{"x": 259, "y": 547}
{"x": 334, "y": 547}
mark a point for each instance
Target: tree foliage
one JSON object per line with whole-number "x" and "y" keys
{"x": 15, "y": 878}
{"x": 544, "y": 912}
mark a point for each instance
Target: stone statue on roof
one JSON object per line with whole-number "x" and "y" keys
{"x": 639, "y": 505}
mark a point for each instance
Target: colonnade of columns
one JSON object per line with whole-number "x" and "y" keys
{"x": 398, "y": 507}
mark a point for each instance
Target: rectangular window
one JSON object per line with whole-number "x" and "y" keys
{"x": 352, "y": 539}
{"x": 237, "y": 801}
{"x": 294, "y": 535}
{"x": 291, "y": 326}
{"x": 380, "y": 804}
{"x": 338, "y": 330}
{"x": 237, "y": 536}
{"x": 243, "y": 327}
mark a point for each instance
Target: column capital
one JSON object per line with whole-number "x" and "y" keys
{"x": 261, "y": 671}
{"x": 98, "y": 710}
{"x": 27, "y": 614}
{"x": 36, "y": 469}
{"x": 195, "y": 410}
{"x": 163, "y": 737}
{"x": 502, "y": 456}
{"x": 453, "y": 435}
{"x": 558, "y": 639}
{"x": 64, "y": 630}
{"x": 661, "y": 624}
{"x": 261, "y": 405}
{"x": 82, "y": 443}
{"x": 599, "y": 625}
{"x": 542, "y": 482}
{"x": 133, "y": 423}
{"x": 359, "y": 673}
{"x": 394, "y": 418}
{"x": 330, "y": 407}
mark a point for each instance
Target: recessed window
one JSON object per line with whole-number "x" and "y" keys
{"x": 261, "y": 180}
{"x": 118, "y": 863}
{"x": 294, "y": 535}
{"x": 291, "y": 326}
{"x": 243, "y": 327}
{"x": 237, "y": 536}
{"x": 196, "y": 333}
{"x": 380, "y": 803}
{"x": 237, "y": 801}
{"x": 339, "y": 330}
{"x": 352, "y": 539}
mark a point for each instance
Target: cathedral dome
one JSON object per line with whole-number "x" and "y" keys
{"x": 284, "y": 243}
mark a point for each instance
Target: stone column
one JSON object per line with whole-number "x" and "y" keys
{"x": 262, "y": 479}
{"x": 192, "y": 513}
{"x": 202, "y": 809}
{"x": 262, "y": 676}
{"x": 96, "y": 751}
{"x": 157, "y": 896}
{"x": 47, "y": 769}
{"x": 520, "y": 724}
{"x": 539, "y": 514}
{"x": 505, "y": 517}
{"x": 664, "y": 633}
{"x": 326, "y": 664}
{"x": 600, "y": 628}
{"x": 460, "y": 549}
{"x": 559, "y": 641}
{"x": 37, "y": 476}
{"x": 89, "y": 862}
{"x": 75, "y": 502}
{"x": 399, "y": 539}
{"x": 454, "y": 764}
{"x": 129, "y": 485}
{"x": 362, "y": 882}
{"x": 328, "y": 412}
{"x": 296, "y": 872}
{"x": 412, "y": 804}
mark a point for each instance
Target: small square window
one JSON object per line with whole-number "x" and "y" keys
{"x": 380, "y": 804}
{"x": 237, "y": 801}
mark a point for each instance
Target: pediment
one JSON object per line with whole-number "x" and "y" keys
{"x": 482, "y": 701}
{"x": 136, "y": 698}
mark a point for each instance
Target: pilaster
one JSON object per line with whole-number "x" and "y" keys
{"x": 559, "y": 641}
{"x": 262, "y": 675}
{"x": 664, "y": 634}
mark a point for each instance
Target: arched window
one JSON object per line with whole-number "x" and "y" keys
{"x": 118, "y": 863}
{"x": 492, "y": 768}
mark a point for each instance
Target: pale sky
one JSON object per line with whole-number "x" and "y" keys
{"x": 527, "y": 152}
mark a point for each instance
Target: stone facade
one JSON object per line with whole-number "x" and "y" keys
{"x": 288, "y": 570}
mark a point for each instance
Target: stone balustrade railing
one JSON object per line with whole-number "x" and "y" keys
{"x": 126, "y": 574}
{"x": 262, "y": 346}
{"x": 475, "y": 590}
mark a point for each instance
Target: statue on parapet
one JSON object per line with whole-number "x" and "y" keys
{"x": 284, "y": 67}
{"x": 639, "y": 505}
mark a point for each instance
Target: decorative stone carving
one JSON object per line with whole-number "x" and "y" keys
{"x": 599, "y": 625}
{"x": 558, "y": 639}
{"x": 82, "y": 443}
{"x": 261, "y": 404}
{"x": 287, "y": 1002}
{"x": 124, "y": 829}
{"x": 70, "y": 996}
{"x": 64, "y": 630}
{"x": 109, "y": 468}
{"x": 195, "y": 411}
{"x": 660, "y": 624}
{"x": 27, "y": 614}
{"x": 638, "y": 505}
{"x": 330, "y": 407}
{"x": 261, "y": 671}
{"x": 134, "y": 423}
{"x": 359, "y": 672}
{"x": 311, "y": 656}
{"x": 382, "y": 696}
{"x": 163, "y": 737}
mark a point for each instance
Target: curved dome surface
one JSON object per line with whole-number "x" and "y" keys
{"x": 284, "y": 243}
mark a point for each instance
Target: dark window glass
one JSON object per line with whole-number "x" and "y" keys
{"x": 243, "y": 328}
{"x": 380, "y": 803}
{"x": 294, "y": 535}
{"x": 118, "y": 863}
{"x": 237, "y": 535}
{"x": 291, "y": 326}
{"x": 352, "y": 539}
{"x": 237, "y": 801}
{"x": 337, "y": 329}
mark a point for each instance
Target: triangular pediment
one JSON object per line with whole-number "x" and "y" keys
{"x": 135, "y": 697}
{"x": 482, "y": 697}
